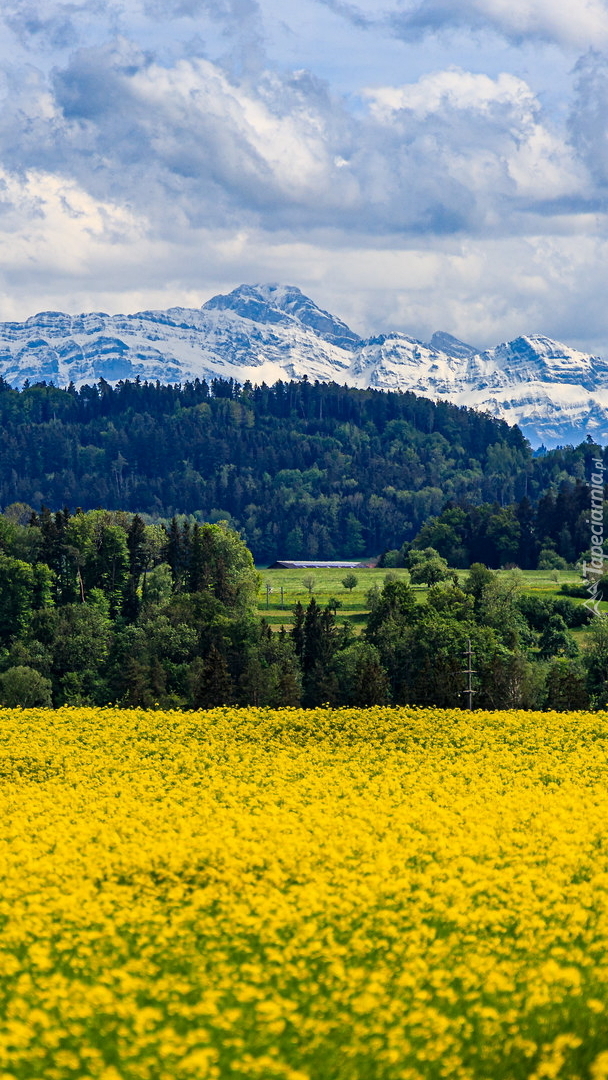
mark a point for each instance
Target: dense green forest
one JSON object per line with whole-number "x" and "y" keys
{"x": 301, "y": 470}
{"x": 552, "y": 534}
{"x": 100, "y": 607}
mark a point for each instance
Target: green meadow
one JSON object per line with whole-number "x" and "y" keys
{"x": 287, "y": 587}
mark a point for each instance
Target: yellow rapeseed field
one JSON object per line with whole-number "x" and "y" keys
{"x": 379, "y": 894}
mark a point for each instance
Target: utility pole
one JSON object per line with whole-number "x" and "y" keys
{"x": 268, "y": 592}
{"x": 469, "y": 672}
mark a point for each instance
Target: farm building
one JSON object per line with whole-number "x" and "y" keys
{"x": 284, "y": 564}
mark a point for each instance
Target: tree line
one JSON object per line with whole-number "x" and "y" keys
{"x": 302, "y": 470}
{"x": 551, "y": 534}
{"x": 99, "y": 607}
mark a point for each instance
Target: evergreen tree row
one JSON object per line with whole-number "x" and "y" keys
{"x": 552, "y": 534}
{"x": 302, "y": 470}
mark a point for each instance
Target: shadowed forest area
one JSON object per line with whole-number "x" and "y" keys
{"x": 301, "y": 470}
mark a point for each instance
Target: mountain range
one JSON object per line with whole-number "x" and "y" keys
{"x": 264, "y": 333}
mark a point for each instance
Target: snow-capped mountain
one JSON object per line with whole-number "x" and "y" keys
{"x": 555, "y": 394}
{"x": 262, "y": 333}
{"x": 268, "y": 332}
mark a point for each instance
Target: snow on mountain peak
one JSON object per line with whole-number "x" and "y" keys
{"x": 282, "y": 304}
{"x": 267, "y": 332}
{"x": 451, "y": 346}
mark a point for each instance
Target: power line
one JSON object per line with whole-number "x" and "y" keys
{"x": 469, "y": 672}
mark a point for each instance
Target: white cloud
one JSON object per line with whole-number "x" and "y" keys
{"x": 193, "y": 112}
{"x": 136, "y": 176}
{"x": 588, "y": 122}
{"x": 454, "y": 89}
{"x": 186, "y": 144}
{"x": 571, "y": 25}
{"x": 52, "y": 222}
{"x": 487, "y": 134}
{"x": 63, "y": 249}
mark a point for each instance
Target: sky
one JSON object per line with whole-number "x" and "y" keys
{"x": 412, "y": 165}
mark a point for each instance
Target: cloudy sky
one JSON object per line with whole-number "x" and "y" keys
{"x": 410, "y": 164}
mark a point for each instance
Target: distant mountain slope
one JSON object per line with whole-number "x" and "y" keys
{"x": 264, "y": 333}
{"x": 555, "y": 394}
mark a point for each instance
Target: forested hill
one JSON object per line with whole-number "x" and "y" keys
{"x": 302, "y": 470}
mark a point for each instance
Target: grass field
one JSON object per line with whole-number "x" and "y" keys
{"x": 328, "y": 585}
{"x": 382, "y": 894}
{"x": 354, "y": 606}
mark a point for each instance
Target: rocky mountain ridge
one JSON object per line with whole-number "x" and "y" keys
{"x": 264, "y": 333}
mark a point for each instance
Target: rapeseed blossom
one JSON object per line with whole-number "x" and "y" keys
{"x": 378, "y": 894}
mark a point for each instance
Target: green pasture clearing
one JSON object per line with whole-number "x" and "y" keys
{"x": 278, "y": 610}
{"x": 328, "y": 585}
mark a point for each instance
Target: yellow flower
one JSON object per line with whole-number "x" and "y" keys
{"x": 403, "y": 893}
